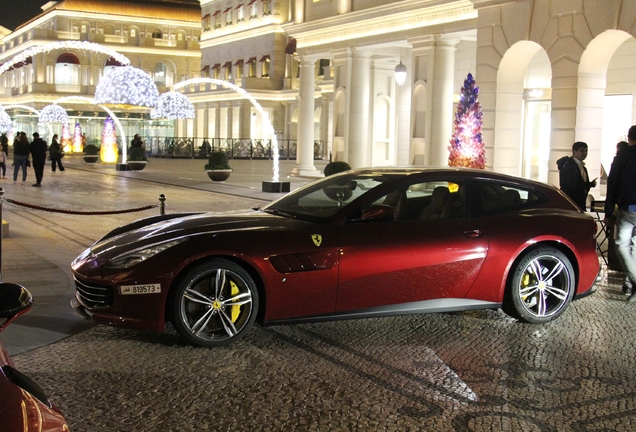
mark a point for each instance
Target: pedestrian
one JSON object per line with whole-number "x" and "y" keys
{"x": 573, "y": 176}
{"x": 20, "y": 157}
{"x": 4, "y": 154}
{"x": 621, "y": 194}
{"x": 38, "y": 149}
{"x": 56, "y": 154}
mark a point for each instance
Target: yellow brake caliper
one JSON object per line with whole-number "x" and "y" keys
{"x": 236, "y": 310}
{"x": 525, "y": 281}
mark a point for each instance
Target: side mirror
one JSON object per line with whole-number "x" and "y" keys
{"x": 15, "y": 300}
{"x": 378, "y": 212}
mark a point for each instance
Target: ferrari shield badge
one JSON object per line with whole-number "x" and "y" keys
{"x": 317, "y": 238}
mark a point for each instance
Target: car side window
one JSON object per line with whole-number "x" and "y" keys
{"x": 430, "y": 200}
{"x": 493, "y": 197}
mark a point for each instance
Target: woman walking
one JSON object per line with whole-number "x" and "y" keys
{"x": 55, "y": 151}
{"x": 20, "y": 157}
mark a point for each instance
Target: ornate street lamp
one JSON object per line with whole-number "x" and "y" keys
{"x": 400, "y": 73}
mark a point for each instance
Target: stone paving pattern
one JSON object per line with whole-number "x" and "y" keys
{"x": 472, "y": 371}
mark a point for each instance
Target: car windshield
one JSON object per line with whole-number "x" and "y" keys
{"x": 324, "y": 198}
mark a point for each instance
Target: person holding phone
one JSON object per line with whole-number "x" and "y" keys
{"x": 573, "y": 177}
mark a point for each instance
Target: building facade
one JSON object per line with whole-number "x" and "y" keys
{"x": 550, "y": 72}
{"x": 161, "y": 38}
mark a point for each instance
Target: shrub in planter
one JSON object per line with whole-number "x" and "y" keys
{"x": 218, "y": 168}
{"x": 217, "y": 161}
{"x": 91, "y": 150}
{"x": 91, "y": 153}
{"x": 336, "y": 167}
{"x": 137, "y": 155}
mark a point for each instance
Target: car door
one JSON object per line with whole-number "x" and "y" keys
{"x": 429, "y": 251}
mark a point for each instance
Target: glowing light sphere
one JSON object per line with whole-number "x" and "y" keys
{"x": 126, "y": 87}
{"x": 173, "y": 105}
{"x": 6, "y": 124}
{"x": 53, "y": 114}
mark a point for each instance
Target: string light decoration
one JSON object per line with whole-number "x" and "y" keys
{"x": 6, "y": 124}
{"x": 173, "y": 105}
{"x": 112, "y": 115}
{"x": 78, "y": 140}
{"x": 254, "y": 102}
{"x": 466, "y": 146}
{"x": 53, "y": 114}
{"x": 126, "y": 87}
{"x": 66, "y": 141}
{"x": 108, "y": 151}
{"x": 63, "y": 45}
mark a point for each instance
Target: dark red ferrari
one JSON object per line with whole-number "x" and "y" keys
{"x": 359, "y": 244}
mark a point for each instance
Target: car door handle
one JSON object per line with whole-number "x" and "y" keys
{"x": 473, "y": 233}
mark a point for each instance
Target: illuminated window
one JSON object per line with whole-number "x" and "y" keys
{"x": 160, "y": 74}
{"x": 264, "y": 66}
{"x": 67, "y": 69}
{"x": 205, "y": 23}
{"x": 267, "y": 7}
{"x": 111, "y": 63}
{"x": 228, "y": 16}
{"x": 227, "y": 71}
{"x": 133, "y": 33}
{"x": 239, "y": 69}
{"x": 216, "y": 69}
{"x": 251, "y": 64}
{"x": 240, "y": 13}
{"x": 83, "y": 29}
{"x": 253, "y": 9}
{"x": 217, "y": 19}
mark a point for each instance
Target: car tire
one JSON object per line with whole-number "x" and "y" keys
{"x": 214, "y": 304}
{"x": 540, "y": 287}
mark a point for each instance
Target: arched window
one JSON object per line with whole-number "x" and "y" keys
{"x": 160, "y": 74}
{"x": 67, "y": 69}
{"x": 133, "y": 33}
{"x": 157, "y": 34}
{"x": 111, "y": 63}
{"x": 109, "y": 29}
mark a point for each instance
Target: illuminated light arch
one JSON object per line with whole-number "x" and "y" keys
{"x": 88, "y": 46}
{"x": 259, "y": 108}
{"x": 91, "y": 101}
{"x": 30, "y": 109}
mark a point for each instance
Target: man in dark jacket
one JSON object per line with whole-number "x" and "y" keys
{"x": 573, "y": 176}
{"x": 37, "y": 148}
{"x": 621, "y": 194}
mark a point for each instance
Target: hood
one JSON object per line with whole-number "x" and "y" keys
{"x": 194, "y": 225}
{"x": 562, "y": 162}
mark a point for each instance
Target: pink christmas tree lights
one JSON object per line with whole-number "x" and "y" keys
{"x": 466, "y": 146}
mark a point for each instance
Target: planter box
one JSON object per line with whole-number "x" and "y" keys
{"x": 219, "y": 175}
{"x": 137, "y": 165}
{"x": 91, "y": 158}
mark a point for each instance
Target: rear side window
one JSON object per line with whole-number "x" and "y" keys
{"x": 493, "y": 197}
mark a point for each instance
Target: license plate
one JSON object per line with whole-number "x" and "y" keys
{"x": 140, "y": 289}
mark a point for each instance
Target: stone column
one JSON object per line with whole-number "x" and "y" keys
{"x": 344, "y": 6}
{"x": 358, "y": 144}
{"x": 305, "y": 146}
{"x": 442, "y": 95}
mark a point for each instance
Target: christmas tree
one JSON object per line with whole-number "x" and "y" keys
{"x": 66, "y": 138}
{"x": 108, "y": 150}
{"x": 466, "y": 146}
{"x": 78, "y": 141}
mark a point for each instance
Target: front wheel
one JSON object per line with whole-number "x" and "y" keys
{"x": 215, "y": 303}
{"x": 541, "y": 286}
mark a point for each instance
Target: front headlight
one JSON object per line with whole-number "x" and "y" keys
{"x": 132, "y": 258}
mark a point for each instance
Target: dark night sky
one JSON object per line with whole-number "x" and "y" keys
{"x": 15, "y": 12}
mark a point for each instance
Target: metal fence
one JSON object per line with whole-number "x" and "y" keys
{"x": 235, "y": 148}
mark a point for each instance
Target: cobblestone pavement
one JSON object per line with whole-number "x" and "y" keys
{"x": 478, "y": 371}
{"x": 473, "y": 371}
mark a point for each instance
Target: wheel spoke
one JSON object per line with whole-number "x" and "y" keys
{"x": 197, "y": 297}
{"x": 219, "y": 283}
{"x": 535, "y": 266}
{"x": 202, "y": 322}
{"x": 556, "y": 270}
{"x": 557, "y": 292}
{"x": 234, "y": 301}
{"x": 227, "y": 323}
{"x": 528, "y": 291}
{"x": 542, "y": 303}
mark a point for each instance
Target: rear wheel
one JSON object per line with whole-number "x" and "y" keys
{"x": 541, "y": 286}
{"x": 215, "y": 303}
